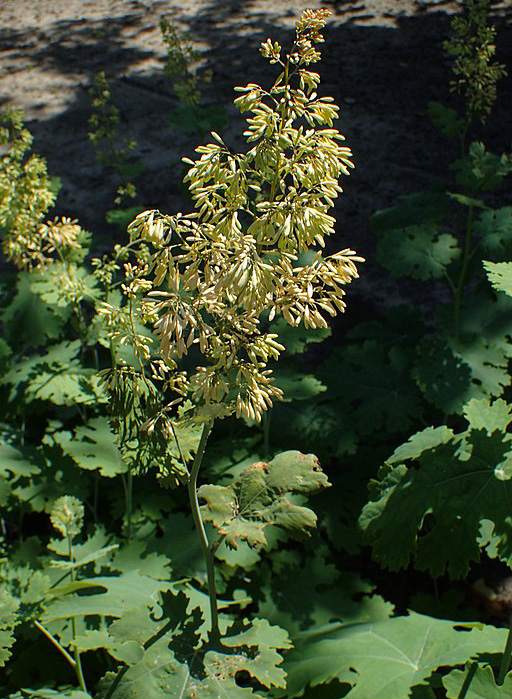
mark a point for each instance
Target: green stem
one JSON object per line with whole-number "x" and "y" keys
{"x": 76, "y": 652}
{"x": 466, "y": 255}
{"x": 505, "y": 660}
{"x": 467, "y": 681}
{"x": 129, "y": 502}
{"x": 57, "y": 645}
{"x": 203, "y": 539}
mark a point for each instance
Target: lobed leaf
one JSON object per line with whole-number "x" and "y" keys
{"x": 418, "y": 251}
{"x": 483, "y": 685}
{"x": 402, "y": 653}
{"x": 437, "y": 506}
{"x": 93, "y": 447}
{"x": 257, "y": 499}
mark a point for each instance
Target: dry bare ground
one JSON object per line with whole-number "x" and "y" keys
{"x": 382, "y": 62}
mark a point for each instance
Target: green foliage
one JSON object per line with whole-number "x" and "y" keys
{"x": 403, "y": 653}
{"x": 470, "y": 470}
{"x": 122, "y": 379}
{"x": 483, "y": 685}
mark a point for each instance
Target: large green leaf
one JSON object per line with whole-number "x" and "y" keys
{"x": 495, "y": 231}
{"x": 93, "y": 447}
{"x": 372, "y": 386}
{"x": 159, "y": 675}
{"x": 65, "y": 692}
{"x": 385, "y": 659}
{"x": 28, "y": 320}
{"x": 258, "y": 499}
{"x": 483, "y": 685}
{"x": 450, "y": 373}
{"x": 435, "y": 507}
{"x": 57, "y": 376}
{"x": 115, "y": 596}
{"x": 418, "y": 251}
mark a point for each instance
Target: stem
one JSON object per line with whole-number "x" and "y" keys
{"x": 463, "y": 271}
{"x": 467, "y": 681}
{"x": 76, "y": 652}
{"x": 129, "y": 502}
{"x": 203, "y": 539}
{"x": 505, "y": 660}
{"x": 57, "y": 645}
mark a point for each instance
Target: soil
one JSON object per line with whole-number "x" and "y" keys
{"x": 382, "y": 62}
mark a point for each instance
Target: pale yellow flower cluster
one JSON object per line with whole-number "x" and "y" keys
{"x": 220, "y": 275}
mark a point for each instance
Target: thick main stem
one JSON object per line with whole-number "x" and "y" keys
{"x": 203, "y": 539}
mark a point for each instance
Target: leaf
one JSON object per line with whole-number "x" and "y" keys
{"x": 372, "y": 384}
{"x": 62, "y": 285}
{"x": 494, "y": 227}
{"x": 66, "y": 388}
{"x": 65, "y": 692}
{"x": 130, "y": 558}
{"x": 121, "y": 218}
{"x": 482, "y": 415}
{"x": 56, "y": 375}
{"x": 296, "y": 340}
{"x": 419, "y": 251}
{"x": 324, "y": 595}
{"x": 500, "y": 275}
{"x": 28, "y": 320}
{"x": 257, "y": 499}
{"x": 429, "y": 438}
{"x": 17, "y": 463}
{"x": 8, "y": 620}
{"x": 296, "y": 385}
{"x": 445, "y": 119}
{"x": 385, "y": 659}
{"x": 429, "y": 207}
{"x": 443, "y": 377}
{"x": 436, "y": 507}
{"x": 116, "y": 596}
{"x": 93, "y": 447}
{"x": 464, "y": 200}
{"x": 450, "y": 373}
{"x": 483, "y": 685}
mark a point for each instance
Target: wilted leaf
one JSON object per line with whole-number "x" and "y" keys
{"x": 257, "y": 499}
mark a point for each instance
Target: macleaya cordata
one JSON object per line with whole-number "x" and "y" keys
{"x": 211, "y": 282}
